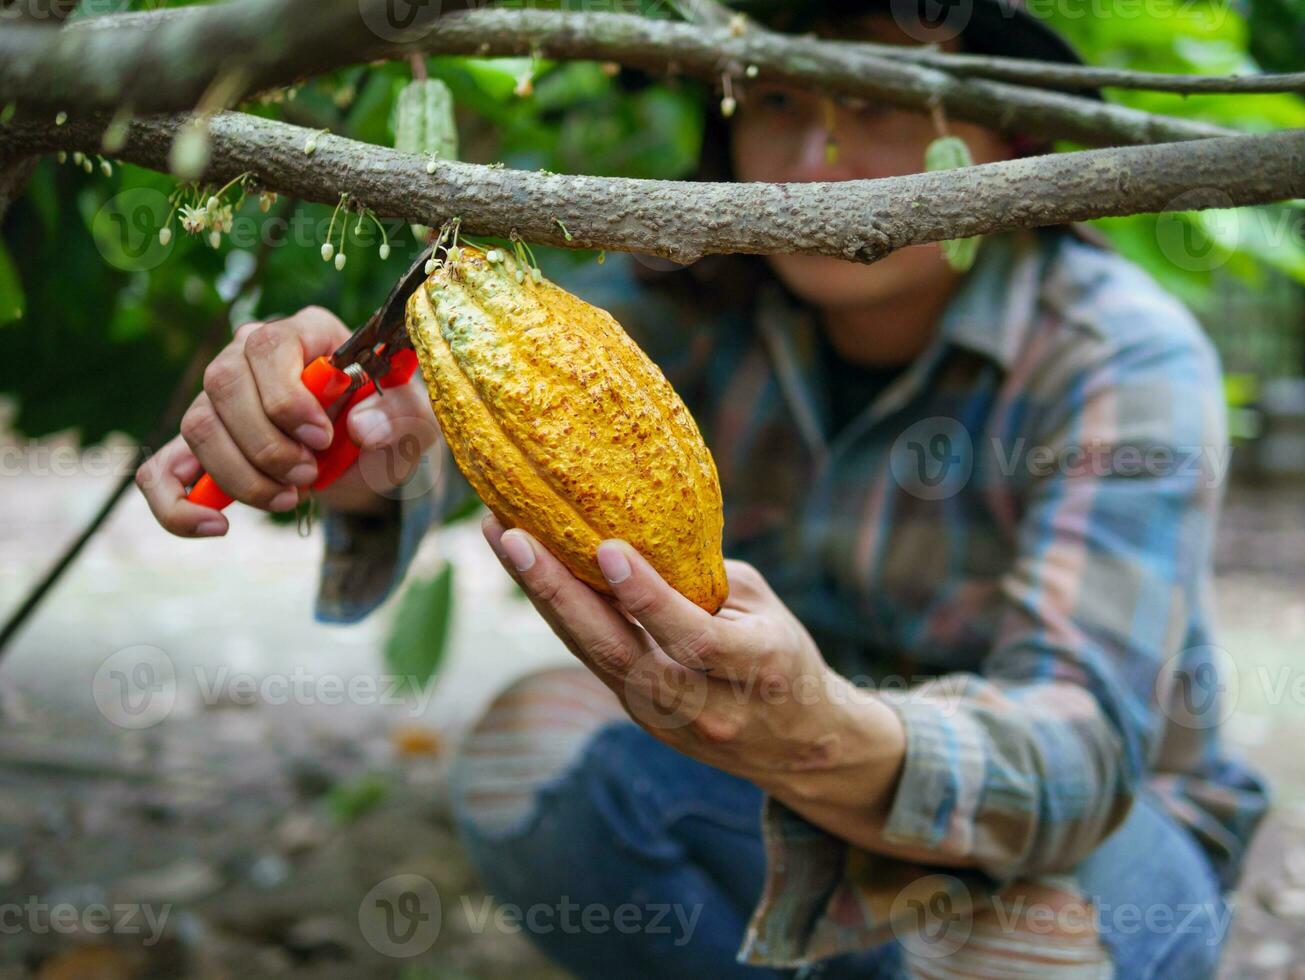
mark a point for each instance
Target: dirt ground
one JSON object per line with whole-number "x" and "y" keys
{"x": 262, "y": 826}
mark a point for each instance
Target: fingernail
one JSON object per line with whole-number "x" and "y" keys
{"x": 371, "y": 426}
{"x": 208, "y": 529}
{"x": 285, "y": 500}
{"x": 313, "y": 436}
{"x": 518, "y": 549}
{"x": 302, "y": 475}
{"x": 615, "y": 566}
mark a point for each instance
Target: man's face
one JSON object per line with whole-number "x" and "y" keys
{"x": 783, "y": 135}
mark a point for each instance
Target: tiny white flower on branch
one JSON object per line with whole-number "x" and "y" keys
{"x": 193, "y": 219}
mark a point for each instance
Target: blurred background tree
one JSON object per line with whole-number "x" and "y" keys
{"x": 1242, "y": 271}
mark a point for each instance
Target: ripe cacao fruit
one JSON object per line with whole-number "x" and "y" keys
{"x": 564, "y": 426}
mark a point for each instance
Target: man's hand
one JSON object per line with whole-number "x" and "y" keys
{"x": 745, "y": 690}
{"x": 255, "y": 428}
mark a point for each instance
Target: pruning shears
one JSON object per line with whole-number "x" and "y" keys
{"x": 376, "y": 356}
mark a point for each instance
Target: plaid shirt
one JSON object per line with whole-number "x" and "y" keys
{"x": 1012, "y": 543}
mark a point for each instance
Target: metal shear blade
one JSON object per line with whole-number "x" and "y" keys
{"x": 385, "y": 332}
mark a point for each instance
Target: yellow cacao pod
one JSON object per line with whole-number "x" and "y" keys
{"x": 564, "y": 426}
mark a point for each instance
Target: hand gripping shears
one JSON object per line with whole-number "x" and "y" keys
{"x": 376, "y": 356}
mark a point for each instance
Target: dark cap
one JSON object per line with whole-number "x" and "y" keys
{"x": 995, "y": 27}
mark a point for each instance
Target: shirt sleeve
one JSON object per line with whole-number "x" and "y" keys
{"x": 1023, "y": 767}
{"x": 366, "y": 556}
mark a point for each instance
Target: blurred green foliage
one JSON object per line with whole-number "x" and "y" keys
{"x": 414, "y": 650}
{"x": 1278, "y": 34}
{"x": 1206, "y": 37}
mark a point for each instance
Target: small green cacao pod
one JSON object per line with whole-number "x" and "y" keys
{"x": 951, "y": 153}
{"x": 424, "y": 125}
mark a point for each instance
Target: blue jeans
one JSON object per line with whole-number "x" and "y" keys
{"x": 641, "y": 862}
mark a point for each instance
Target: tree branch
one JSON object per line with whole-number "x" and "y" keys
{"x": 1054, "y": 75}
{"x": 225, "y": 50}
{"x": 15, "y": 174}
{"x": 116, "y": 63}
{"x": 1026, "y": 71}
{"x": 708, "y": 52}
{"x": 859, "y": 220}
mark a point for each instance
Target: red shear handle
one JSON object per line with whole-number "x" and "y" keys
{"x": 327, "y": 383}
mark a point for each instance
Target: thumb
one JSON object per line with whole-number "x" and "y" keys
{"x": 401, "y": 414}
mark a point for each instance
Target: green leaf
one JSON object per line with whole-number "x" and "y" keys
{"x": 951, "y": 153}
{"x": 12, "y": 299}
{"x": 417, "y": 641}
{"x": 947, "y": 153}
{"x": 349, "y": 801}
{"x": 960, "y": 252}
{"x": 469, "y": 507}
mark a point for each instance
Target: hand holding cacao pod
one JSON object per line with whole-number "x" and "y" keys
{"x": 564, "y": 426}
